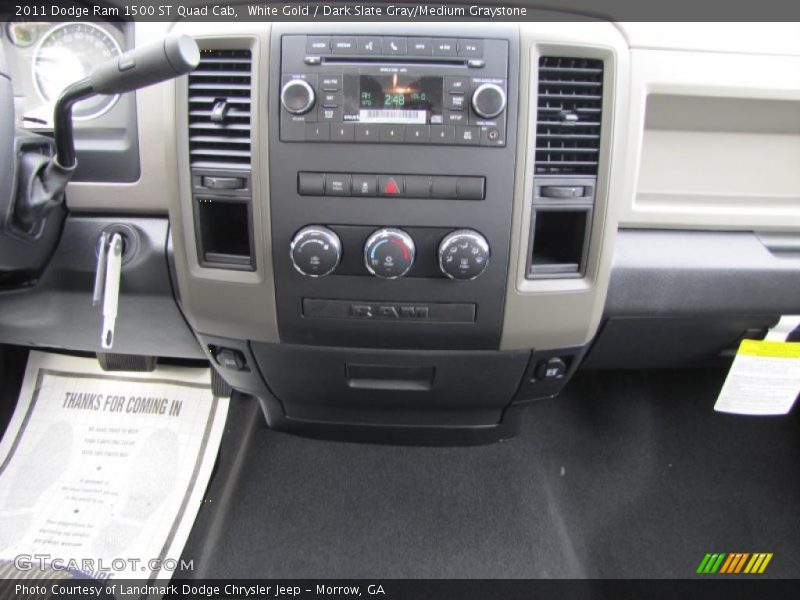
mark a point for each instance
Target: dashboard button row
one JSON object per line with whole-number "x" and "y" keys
{"x": 394, "y": 46}
{"x": 329, "y": 130}
{"x": 391, "y": 186}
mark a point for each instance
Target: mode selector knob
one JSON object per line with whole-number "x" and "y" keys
{"x": 316, "y": 251}
{"x": 463, "y": 254}
{"x": 488, "y": 100}
{"x": 389, "y": 253}
{"x": 297, "y": 96}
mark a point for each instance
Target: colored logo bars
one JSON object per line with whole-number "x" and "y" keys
{"x": 734, "y": 563}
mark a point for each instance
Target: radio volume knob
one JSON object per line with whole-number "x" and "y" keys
{"x": 463, "y": 254}
{"x": 297, "y": 96}
{"x": 389, "y": 253}
{"x": 315, "y": 251}
{"x": 488, "y": 100}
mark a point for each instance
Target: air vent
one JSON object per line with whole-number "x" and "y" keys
{"x": 219, "y": 110}
{"x": 568, "y": 115}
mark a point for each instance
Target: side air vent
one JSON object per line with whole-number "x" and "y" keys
{"x": 568, "y": 116}
{"x": 219, "y": 110}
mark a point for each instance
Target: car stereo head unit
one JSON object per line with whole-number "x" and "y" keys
{"x": 367, "y": 89}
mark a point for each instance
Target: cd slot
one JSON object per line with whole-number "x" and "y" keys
{"x": 442, "y": 62}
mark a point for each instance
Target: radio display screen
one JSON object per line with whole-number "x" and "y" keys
{"x": 396, "y": 98}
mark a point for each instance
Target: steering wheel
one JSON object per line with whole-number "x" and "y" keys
{"x": 6, "y": 137}
{"x": 25, "y": 247}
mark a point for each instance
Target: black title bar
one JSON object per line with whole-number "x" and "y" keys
{"x": 511, "y": 10}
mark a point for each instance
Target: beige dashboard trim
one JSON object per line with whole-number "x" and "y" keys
{"x": 227, "y": 303}
{"x": 684, "y": 203}
{"x": 563, "y": 313}
{"x": 147, "y": 195}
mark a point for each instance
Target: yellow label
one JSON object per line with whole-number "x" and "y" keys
{"x": 770, "y": 349}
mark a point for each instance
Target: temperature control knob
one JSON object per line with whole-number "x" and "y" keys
{"x": 389, "y": 253}
{"x": 315, "y": 251}
{"x": 297, "y": 96}
{"x": 488, "y": 100}
{"x": 463, "y": 254}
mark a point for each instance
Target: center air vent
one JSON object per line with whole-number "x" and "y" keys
{"x": 219, "y": 110}
{"x": 568, "y": 116}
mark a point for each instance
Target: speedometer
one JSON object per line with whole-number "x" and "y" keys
{"x": 67, "y": 53}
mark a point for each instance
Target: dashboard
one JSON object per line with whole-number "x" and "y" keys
{"x": 441, "y": 223}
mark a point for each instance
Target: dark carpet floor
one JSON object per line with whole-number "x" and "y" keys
{"x": 626, "y": 474}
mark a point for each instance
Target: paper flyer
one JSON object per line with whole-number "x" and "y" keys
{"x": 103, "y": 473}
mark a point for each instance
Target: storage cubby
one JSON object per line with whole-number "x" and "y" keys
{"x": 559, "y": 242}
{"x": 224, "y": 233}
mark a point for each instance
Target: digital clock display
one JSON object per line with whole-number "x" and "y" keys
{"x": 399, "y": 98}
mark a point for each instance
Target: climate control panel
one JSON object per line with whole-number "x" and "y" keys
{"x": 390, "y": 253}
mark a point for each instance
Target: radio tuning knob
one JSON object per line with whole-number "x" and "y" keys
{"x": 463, "y": 254}
{"x": 389, "y": 253}
{"x": 315, "y": 251}
{"x": 488, "y": 100}
{"x": 297, "y": 96}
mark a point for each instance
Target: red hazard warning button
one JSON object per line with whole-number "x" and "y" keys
{"x": 390, "y": 186}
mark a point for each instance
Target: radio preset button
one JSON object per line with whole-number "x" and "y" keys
{"x": 366, "y": 132}
{"x": 395, "y": 46}
{"x": 445, "y": 47}
{"x": 344, "y": 45}
{"x": 318, "y": 132}
{"x": 392, "y": 133}
{"x": 443, "y": 134}
{"x": 369, "y": 45}
{"x": 420, "y": 47}
{"x": 418, "y": 134}
{"x": 343, "y": 132}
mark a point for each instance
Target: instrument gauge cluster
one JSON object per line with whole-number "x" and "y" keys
{"x": 47, "y": 57}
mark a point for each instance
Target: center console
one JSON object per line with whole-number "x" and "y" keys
{"x": 391, "y": 215}
{"x": 396, "y": 232}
